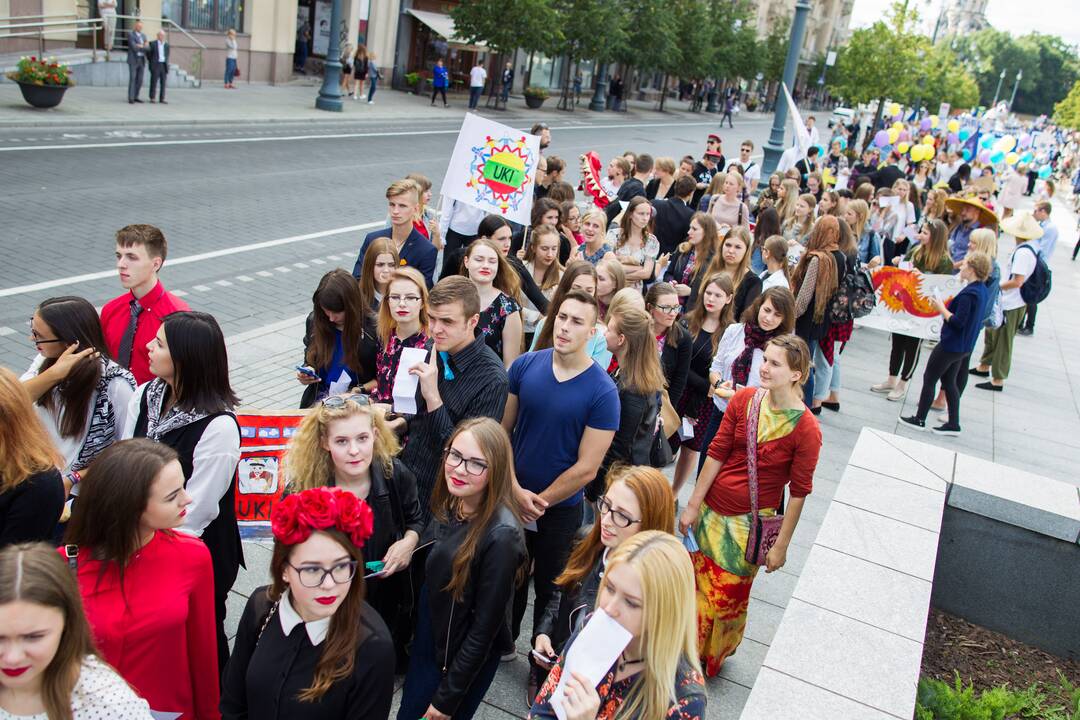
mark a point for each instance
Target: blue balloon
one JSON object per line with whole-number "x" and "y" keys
{"x": 1027, "y": 157}
{"x": 966, "y": 154}
{"x": 997, "y": 157}
{"x": 1045, "y": 171}
{"x": 987, "y": 141}
{"x": 964, "y": 134}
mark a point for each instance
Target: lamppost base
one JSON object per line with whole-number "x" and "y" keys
{"x": 331, "y": 104}
{"x": 771, "y": 159}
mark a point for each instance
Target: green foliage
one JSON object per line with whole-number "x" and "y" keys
{"x": 693, "y": 55}
{"x": 536, "y": 92}
{"x": 650, "y": 35}
{"x": 937, "y": 700}
{"x": 878, "y": 60}
{"x": 591, "y": 29}
{"x": 944, "y": 79}
{"x": 772, "y": 50}
{"x": 535, "y": 26}
{"x": 412, "y": 78}
{"x": 44, "y": 71}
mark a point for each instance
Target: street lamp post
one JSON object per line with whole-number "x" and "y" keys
{"x": 330, "y": 92}
{"x": 599, "y": 101}
{"x": 775, "y": 147}
{"x": 1019, "y": 74}
{"x": 997, "y": 92}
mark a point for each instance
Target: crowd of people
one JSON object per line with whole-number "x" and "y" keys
{"x": 674, "y": 317}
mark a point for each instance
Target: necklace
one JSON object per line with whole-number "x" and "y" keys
{"x": 624, "y": 663}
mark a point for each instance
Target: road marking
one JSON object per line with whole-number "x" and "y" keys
{"x": 265, "y": 273}
{"x": 223, "y": 283}
{"x": 60, "y": 282}
{"x": 338, "y": 136}
{"x": 317, "y": 261}
{"x": 201, "y": 288}
{"x": 244, "y": 278}
{"x": 282, "y": 269}
{"x": 300, "y": 265}
{"x": 177, "y": 293}
{"x": 5, "y": 330}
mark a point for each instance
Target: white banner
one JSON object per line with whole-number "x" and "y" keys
{"x": 802, "y": 135}
{"x": 903, "y": 302}
{"x": 493, "y": 168}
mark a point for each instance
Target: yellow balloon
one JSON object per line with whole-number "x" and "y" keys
{"x": 1007, "y": 143}
{"x": 898, "y": 125}
{"x": 920, "y": 153}
{"x": 893, "y": 109}
{"x": 934, "y": 121}
{"x": 928, "y": 140}
{"x": 893, "y": 135}
{"x": 903, "y": 147}
{"x": 954, "y": 126}
{"x": 1012, "y": 158}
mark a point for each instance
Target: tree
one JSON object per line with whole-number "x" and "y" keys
{"x": 650, "y": 35}
{"x": 591, "y": 30}
{"x": 772, "y": 50}
{"x": 535, "y": 27}
{"x": 1067, "y": 112}
{"x": 943, "y": 79}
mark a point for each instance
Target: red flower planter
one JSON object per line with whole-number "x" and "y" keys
{"x": 43, "y": 96}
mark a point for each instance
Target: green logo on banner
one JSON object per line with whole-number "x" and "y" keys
{"x": 503, "y": 174}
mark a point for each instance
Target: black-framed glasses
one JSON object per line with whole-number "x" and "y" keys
{"x": 312, "y": 576}
{"x": 668, "y": 309}
{"x": 621, "y": 519}
{"x": 336, "y": 402}
{"x": 473, "y": 466}
{"x": 403, "y": 299}
{"x": 37, "y": 339}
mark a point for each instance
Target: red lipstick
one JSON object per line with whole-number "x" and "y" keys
{"x": 15, "y": 672}
{"x": 329, "y": 600}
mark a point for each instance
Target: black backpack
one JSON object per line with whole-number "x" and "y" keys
{"x": 854, "y": 298}
{"x": 1037, "y": 287}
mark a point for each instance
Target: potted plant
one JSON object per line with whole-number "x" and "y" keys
{"x": 535, "y": 96}
{"x": 412, "y": 80}
{"x": 42, "y": 81}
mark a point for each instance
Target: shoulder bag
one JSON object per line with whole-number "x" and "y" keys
{"x": 660, "y": 455}
{"x": 763, "y": 531}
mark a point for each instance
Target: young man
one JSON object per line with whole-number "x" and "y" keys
{"x": 132, "y": 320}
{"x": 626, "y": 186}
{"x": 462, "y": 379}
{"x": 704, "y": 171}
{"x": 751, "y": 170}
{"x": 807, "y": 165}
{"x": 1046, "y": 245}
{"x": 562, "y": 413}
{"x": 477, "y": 78}
{"x": 673, "y": 216}
{"x": 713, "y": 143}
{"x": 643, "y": 168}
{"x": 542, "y": 131}
{"x": 415, "y": 250}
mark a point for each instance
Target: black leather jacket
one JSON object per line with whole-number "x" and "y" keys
{"x": 567, "y": 610}
{"x": 467, "y": 632}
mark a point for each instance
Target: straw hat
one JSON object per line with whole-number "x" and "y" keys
{"x": 986, "y": 215}
{"x": 1022, "y": 226}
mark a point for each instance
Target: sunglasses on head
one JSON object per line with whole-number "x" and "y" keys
{"x": 336, "y": 402}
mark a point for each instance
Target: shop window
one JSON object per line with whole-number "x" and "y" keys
{"x": 214, "y": 15}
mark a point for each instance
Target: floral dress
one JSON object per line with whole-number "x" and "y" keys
{"x": 649, "y": 251}
{"x": 493, "y": 319}
{"x": 386, "y": 363}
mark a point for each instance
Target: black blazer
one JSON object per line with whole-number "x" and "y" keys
{"x": 653, "y": 187}
{"x": 152, "y": 53}
{"x": 629, "y": 190}
{"x": 676, "y": 363}
{"x": 746, "y": 293}
{"x": 672, "y": 222}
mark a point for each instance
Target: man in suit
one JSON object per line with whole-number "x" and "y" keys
{"x": 159, "y": 66}
{"x": 626, "y": 187}
{"x": 137, "y": 47}
{"x": 415, "y": 250}
{"x": 672, "y": 221}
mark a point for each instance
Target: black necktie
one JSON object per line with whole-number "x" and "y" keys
{"x": 123, "y": 356}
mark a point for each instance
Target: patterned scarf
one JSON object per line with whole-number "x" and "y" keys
{"x": 157, "y": 425}
{"x": 102, "y": 430}
{"x": 755, "y": 339}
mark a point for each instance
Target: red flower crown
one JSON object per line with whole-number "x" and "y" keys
{"x": 295, "y": 517}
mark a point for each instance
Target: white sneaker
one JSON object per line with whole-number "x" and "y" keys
{"x": 898, "y": 392}
{"x": 883, "y": 388}
{"x": 370, "y": 102}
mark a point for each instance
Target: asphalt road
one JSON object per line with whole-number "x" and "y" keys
{"x": 254, "y": 214}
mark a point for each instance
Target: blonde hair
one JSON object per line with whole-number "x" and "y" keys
{"x": 862, "y": 214}
{"x": 613, "y": 268}
{"x": 985, "y": 240}
{"x": 980, "y": 263}
{"x": 639, "y": 369}
{"x": 623, "y": 300}
{"x": 786, "y": 207}
{"x": 387, "y": 323}
{"x": 400, "y": 187}
{"x": 719, "y": 265}
{"x": 25, "y": 445}
{"x": 666, "y": 164}
{"x": 669, "y": 618}
{"x": 309, "y": 465}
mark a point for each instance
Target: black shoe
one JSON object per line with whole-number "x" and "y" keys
{"x": 162, "y": 102}
{"x": 1025, "y": 331}
{"x": 979, "y": 373}
{"x": 815, "y": 410}
{"x": 947, "y": 429}
{"x": 990, "y": 386}
{"x": 834, "y": 406}
{"x": 131, "y": 102}
{"x": 915, "y": 422}
{"x": 138, "y": 100}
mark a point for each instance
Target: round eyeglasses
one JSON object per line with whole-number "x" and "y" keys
{"x": 621, "y": 519}
{"x": 312, "y": 576}
{"x": 473, "y": 466}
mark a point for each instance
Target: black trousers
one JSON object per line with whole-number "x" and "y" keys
{"x": 452, "y": 242}
{"x": 1028, "y": 323}
{"x": 904, "y": 356}
{"x": 549, "y": 547}
{"x": 946, "y": 367}
{"x": 437, "y": 91}
{"x": 158, "y": 73}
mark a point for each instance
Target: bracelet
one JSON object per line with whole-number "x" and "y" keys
{"x": 74, "y": 477}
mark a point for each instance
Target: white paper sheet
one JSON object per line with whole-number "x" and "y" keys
{"x": 594, "y": 651}
{"x": 686, "y": 430}
{"x": 889, "y": 201}
{"x": 341, "y": 385}
{"x": 405, "y": 383}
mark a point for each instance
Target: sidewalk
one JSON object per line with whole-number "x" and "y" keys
{"x": 294, "y": 103}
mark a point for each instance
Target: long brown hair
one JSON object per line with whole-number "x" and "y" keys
{"x": 625, "y": 223}
{"x": 114, "y": 493}
{"x": 337, "y": 292}
{"x": 652, "y": 297}
{"x": 495, "y": 449}
{"x": 782, "y": 301}
{"x": 737, "y": 272}
{"x": 506, "y": 278}
{"x": 555, "y": 269}
{"x": 639, "y": 368}
{"x": 929, "y": 256}
{"x": 709, "y": 245}
{"x": 653, "y": 493}
{"x": 786, "y": 207}
{"x": 378, "y": 246}
{"x": 573, "y": 271}
{"x": 386, "y": 322}
{"x": 824, "y": 238}
{"x": 345, "y": 634}
{"x": 25, "y": 445}
{"x": 695, "y": 319}
{"x": 34, "y": 573}
{"x": 73, "y": 319}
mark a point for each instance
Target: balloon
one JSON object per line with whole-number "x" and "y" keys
{"x": 986, "y": 141}
{"x": 998, "y": 146}
{"x": 966, "y": 154}
{"x": 894, "y": 134}
{"x": 905, "y": 135}
{"x": 924, "y": 125}
{"x": 997, "y": 157}
{"x": 1008, "y": 143}
{"x": 1027, "y": 157}
{"x": 953, "y": 126}
{"x": 964, "y": 134}
{"x": 934, "y": 121}
{"x": 984, "y": 156}
{"x": 1045, "y": 171}
{"x": 882, "y": 138}
{"x": 894, "y": 109}
{"x": 953, "y": 138}
{"x": 898, "y": 125}
{"x": 1012, "y": 158}
{"x": 903, "y": 147}
{"x": 928, "y": 140}
{"x": 1025, "y": 141}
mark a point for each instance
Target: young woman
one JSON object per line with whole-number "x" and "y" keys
{"x": 340, "y": 340}
{"x": 825, "y": 354}
{"x": 593, "y": 232}
{"x": 734, "y": 259}
{"x": 899, "y": 222}
{"x": 497, "y": 229}
{"x": 346, "y": 61}
{"x": 776, "y": 264}
{"x": 380, "y": 260}
{"x": 582, "y": 276}
{"x": 402, "y": 324}
{"x": 868, "y": 241}
{"x": 636, "y": 247}
{"x": 500, "y": 319}
{"x": 797, "y": 228}
{"x": 767, "y": 225}
{"x": 360, "y": 71}
{"x": 674, "y": 341}
{"x": 739, "y": 355}
{"x": 610, "y": 279}
{"x": 341, "y": 665}
{"x": 814, "y": 186}
{"x": 344, "y": 442}
{"x": 83, "y": 404}
{"x": 640, "y": 380}
{"x": 646, "y": 588}
{"x": 542, "y": 262}
{"x": 692, "y": 257}
{"x": 814, "y": 282}
{"x": 545, "y": 212}
{"x": 570, "y": 224}
{"x": 788, "y": 443}
{"x": 770, "y": 196}
{"x": 189, "y": 407}
{"x": 706, "y": 324}
{"x": 148, "y": 590}
{"x": 787, "y": 196}
{"x": 472, "y": 569}
{"x": 963, "y": 319}
{"x": 50, "y": 669}
{"x": 426, "y": 220}
{"x": 930, "y": 255}
{"x": 829, "y": 204}
{"x": 934, "y": 209}
{"x": 663, "y": 183}
{"x": 31, "y": 489}
{"x": 728, "y": 208}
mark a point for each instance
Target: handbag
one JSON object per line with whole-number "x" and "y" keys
{"x": 668, "y": 416}
{"x": 660, "y": 455}
{"x": 236, "y": 72}
{"x": 763, "y": 531}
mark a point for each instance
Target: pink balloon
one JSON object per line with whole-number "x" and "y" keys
{"x": 984, "y": 156}
{"x": 905, "y": 136}
{"x": 953, "y": 138}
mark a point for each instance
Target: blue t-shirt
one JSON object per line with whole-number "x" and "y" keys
{"x": 552, "y": 417}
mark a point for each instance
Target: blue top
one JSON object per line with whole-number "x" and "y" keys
{"x": 417, "y": 252}
{"x": 552, "y": 417}
{"x": 958, "y": 240}
{"x": 440, "y": 77}
{"x": 993, "y": 290}
{"x": 968, "y": 308}
{"x": 869, "y": 246}
{"x": 1049, "y": 239}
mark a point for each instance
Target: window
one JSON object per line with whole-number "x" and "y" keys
{"x": 217, "y": 15}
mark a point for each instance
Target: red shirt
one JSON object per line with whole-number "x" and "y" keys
{"x": 790, "y": 459}
{"x": 116, "y": 315}
{"x": 160, "y": 634}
